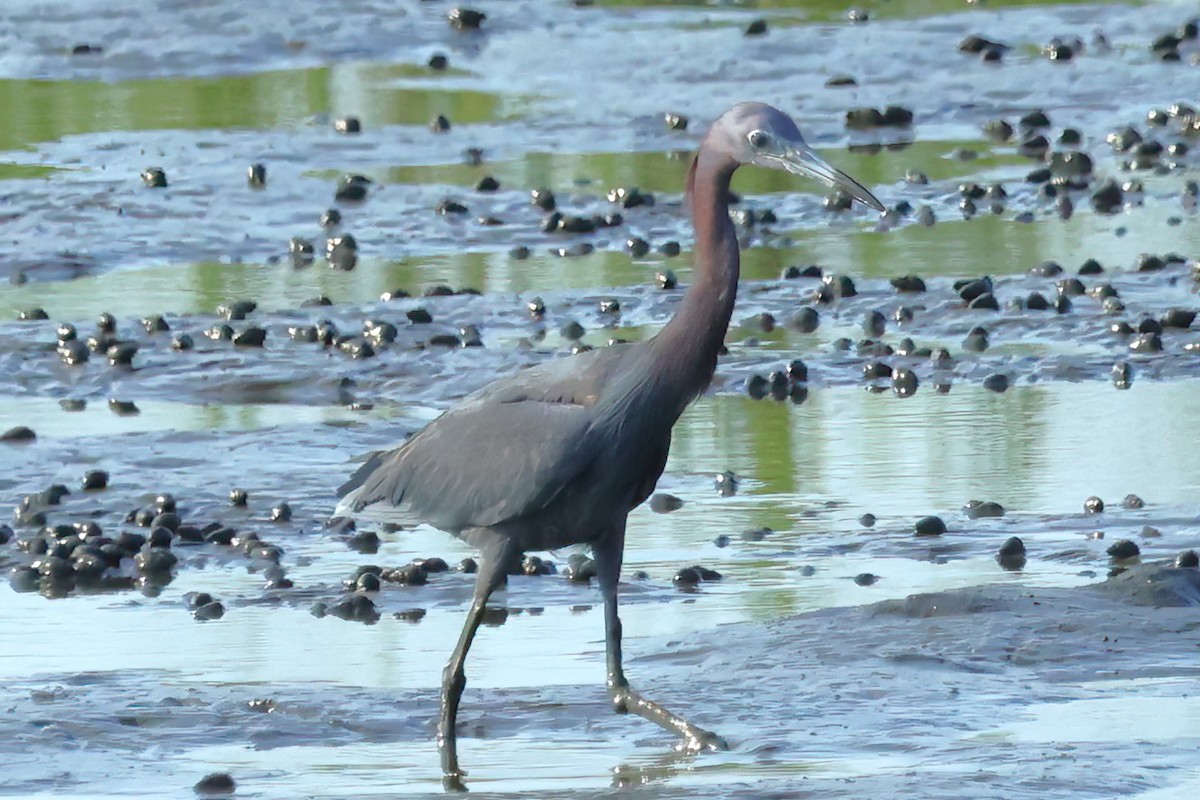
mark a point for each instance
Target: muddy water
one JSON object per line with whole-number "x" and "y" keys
{"x": 1000, "y": 678}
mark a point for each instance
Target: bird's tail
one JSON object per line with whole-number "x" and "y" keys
{"x": 347, "y": 493}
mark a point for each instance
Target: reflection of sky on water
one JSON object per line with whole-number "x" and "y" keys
{"x": 1036, "y": 450}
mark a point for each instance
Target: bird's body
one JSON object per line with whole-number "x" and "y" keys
{"x": 509, "y": 452}
{"x": 559, "y": 454}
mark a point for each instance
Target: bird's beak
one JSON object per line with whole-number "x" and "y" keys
{"x": 801, "y": 160}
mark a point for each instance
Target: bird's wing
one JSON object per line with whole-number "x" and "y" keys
{"x": 506, "y": 452}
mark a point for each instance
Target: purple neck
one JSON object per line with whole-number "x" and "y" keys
{"x": 692, "y": 340}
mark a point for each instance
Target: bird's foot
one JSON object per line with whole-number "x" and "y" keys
{"x": 698, "y": 740}
{"x": 452, "y": 782}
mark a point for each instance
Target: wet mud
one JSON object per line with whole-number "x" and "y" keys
{"x": 943, "y": 470}
{"x": 1018, "y": 691}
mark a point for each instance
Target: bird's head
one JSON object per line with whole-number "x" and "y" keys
{"x": 756, "y": 133}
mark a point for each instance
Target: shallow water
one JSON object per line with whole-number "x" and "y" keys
{"x": 122, "y": 691}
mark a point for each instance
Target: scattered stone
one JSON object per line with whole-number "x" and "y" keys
{"x": 256, "y": 176}
{"x": 929, "y": 526}
{"x": 980, "y": 509}
{"x": 95, "y": 479}
{"x": 352, "y": 189}
{"x": 662, "y": 503}
{"x": 1123, "y": 549}
{"x": 996, "y": 383}
{"x": 18, "y": 434}
{"x": 676, "y": 122}
{"x": 154, "y": 177}
{"x": 215, "y": 783}
{"x": 1011, "y": 555}
{"x": 466, "y": 19}
{"x": 756, "y": 28}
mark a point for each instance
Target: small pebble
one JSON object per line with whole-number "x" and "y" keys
{"x": 1123, "y": 549}
{"x": 929, "y": 526}
{"x": 215, "y": 783}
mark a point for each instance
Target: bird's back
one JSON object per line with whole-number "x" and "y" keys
{"x": 534, "y": 448}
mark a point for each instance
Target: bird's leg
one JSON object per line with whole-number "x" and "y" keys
{"x": 492, "y": 572}
{"x": 608, "y": 555}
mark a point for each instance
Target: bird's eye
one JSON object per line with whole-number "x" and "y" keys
{"x": 759, "y": 139}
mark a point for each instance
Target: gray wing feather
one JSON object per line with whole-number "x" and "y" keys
{"x": 508, "y": 451}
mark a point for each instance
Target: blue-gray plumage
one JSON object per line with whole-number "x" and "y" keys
{"x": 560, "y": 453}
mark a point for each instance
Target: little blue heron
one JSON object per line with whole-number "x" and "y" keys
{"x": 560, "y": 453}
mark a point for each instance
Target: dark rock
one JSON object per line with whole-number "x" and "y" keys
{"x": 908, "y": 283}
{"x": 253, "y": 336}
{"x": 980, "y": 509}
{"x": 215, "y": 783}
{"x": 757, "y": 27}
{"x": 1011, "y": 555}
{"x": 355, "y": 608}
{"x": 209, "y": 611}
{"x": 661, "y": 503}
{"x": 1178, "y": 318}
{"x": 996, "y": 383}
{"x": 154, "y": 177}
{"x": 806, "y": 320}
{"x": 155, "y": 324}
{"x": 1107, "y": 198}
{"x": 256, "y": 175}
{"x": 580, "y": 568}
{"x": 976, "y": 340}
{"x": 976, "y": 44}
{"x": 408, "y": 575}
{"x": 432, "y": 564}
{"x": 1123, "y": 549}
{"x": 18, "y": 434}
{"x": 466, "y": 19}
{"x": 1147, "y": 343}
{"x": 998, "y": 129}
{"x": 637, "y": 247}
{"x": 904, "y": 382}
{"x": 123, "y": 408}
{"x": 929, "y": 526}
{"x": 676, "y": 122}
{"x": 352, "y": 188}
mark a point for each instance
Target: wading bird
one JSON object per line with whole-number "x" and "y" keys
{"x": 560, "y": 453}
